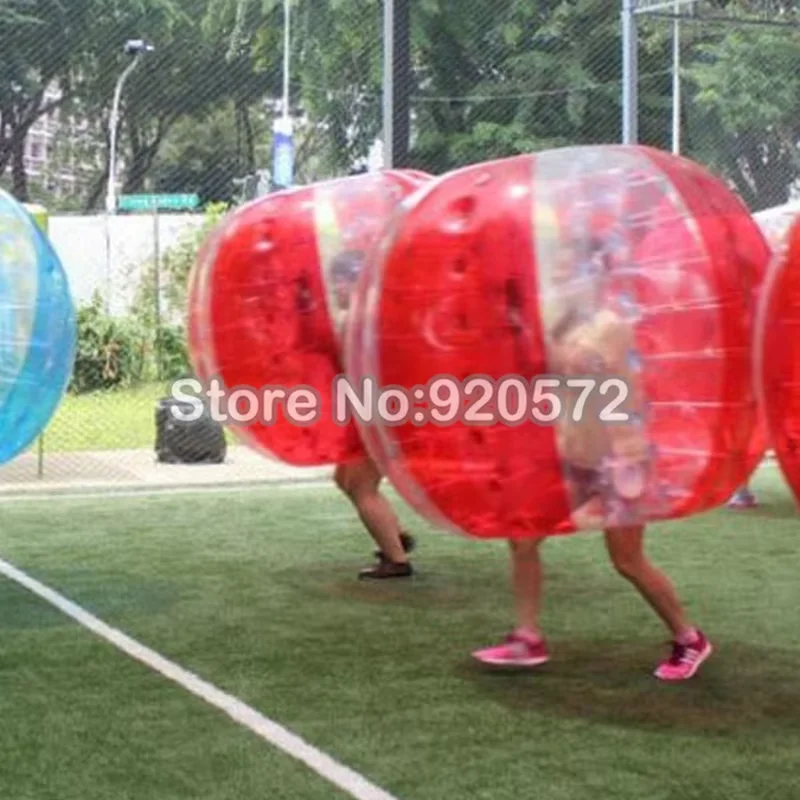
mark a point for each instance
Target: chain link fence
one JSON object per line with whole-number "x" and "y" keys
{"x": 738, "y": 94}
{"x": 471, "y": 80}
{"x": 509, "y": 77}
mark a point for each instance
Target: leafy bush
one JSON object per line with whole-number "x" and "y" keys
{"x": 172, "y": 353}
{"x": 161, "y": 349}
{"x": 175, "y": 266}
{"x": 119, "y": 352}
{"x": 111, "y": 353}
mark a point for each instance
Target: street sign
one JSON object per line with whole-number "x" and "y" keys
{"x": 158, "y": 202}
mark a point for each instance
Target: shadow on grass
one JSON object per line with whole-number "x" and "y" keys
{"x": 426, "y": 589}
{"x": 741, "y": 689}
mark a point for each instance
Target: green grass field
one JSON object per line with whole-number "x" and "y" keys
{"x": 256, "y": 592}
{"x": 122, "y": 419}
{"x": 118, "y": 420}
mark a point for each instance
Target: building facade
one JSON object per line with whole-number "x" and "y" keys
{"x": 62, "y": 152}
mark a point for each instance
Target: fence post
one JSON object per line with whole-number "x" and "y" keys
{"x": 676, "y": 80}
{"x": 630, "y": 73}
{"x": 388, "y": 83}
{"x": 402, "y": 82}
{"x": 396, "y": 82}
{"x": 41, "y": 217}
{"x": 157, "y": 290}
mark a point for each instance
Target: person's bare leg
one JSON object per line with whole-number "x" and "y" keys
{"x": 690, "y": 646}
{"x": 626, "y": 550}
{"x": 525, "y": 648}
{"x": 526, "y": 578}
{"x": 361, "y": 483}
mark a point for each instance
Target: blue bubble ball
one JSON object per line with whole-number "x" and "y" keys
{"x": 38, "y": 330}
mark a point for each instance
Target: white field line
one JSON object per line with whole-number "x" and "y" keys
{"x": 323, "y": 765}
{"x": 110, "y": 492}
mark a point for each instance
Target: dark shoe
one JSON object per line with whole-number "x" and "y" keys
{"x": 386, "y": 569}
{"x": 407, "y": 540}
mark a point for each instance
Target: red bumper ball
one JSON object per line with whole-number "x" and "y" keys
{"x": 778, "y": 353}
{"x": 626, "y": 267}
{"x": 268, "y": 299}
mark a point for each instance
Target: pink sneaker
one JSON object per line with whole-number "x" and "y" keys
{"x": 518, "y": 652}
{"x": 685, "y": 660}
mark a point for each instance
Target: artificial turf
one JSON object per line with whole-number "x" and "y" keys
{"x": 256, "y": 592}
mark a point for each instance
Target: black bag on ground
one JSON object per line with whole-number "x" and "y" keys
{"x": 201, "y": 441}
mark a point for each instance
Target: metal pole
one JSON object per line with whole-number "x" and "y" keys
{"x": 108, "y": 262}
{"x": 388, "y": 83}
{"x": 676, "y": 81}
{"x": 111, "y": 193}
{"x": 111, "y": 189}
{"x": 401, "y": 83}
{"x": 630, "y": 73}
{"x": 157, "y": 290}
{"x": 287, "y": 43}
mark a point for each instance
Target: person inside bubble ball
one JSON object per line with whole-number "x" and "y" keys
{"x": 606, "y": 474}
{"x": 360, "y": 481}
{"x": 345, "y": 269}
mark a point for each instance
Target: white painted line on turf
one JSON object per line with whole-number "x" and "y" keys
{"x": 357, "y": 786}
{"x": 105, "y": 494}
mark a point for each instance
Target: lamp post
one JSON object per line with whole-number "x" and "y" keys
{"x": 135, "y": 48}
{"x": 282, "y": 129}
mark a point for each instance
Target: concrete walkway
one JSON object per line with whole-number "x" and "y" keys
{"x": 137, "y": 469}
{"x": 131, "y": 470}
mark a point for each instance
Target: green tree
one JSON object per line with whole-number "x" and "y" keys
{"x": 189, "y": 75}
{"x": 518, "y": 77}
{"x": 339, "y": 76}
{"x": 157, "y": 92}
{"x": 251, "y": 30}
{"x": 206, "y": 153}
{"x": 335, "y": 92}
{"x": 41, "y": 44}
{"x": 745, "y": 115}
{"x": 488, "y": 81}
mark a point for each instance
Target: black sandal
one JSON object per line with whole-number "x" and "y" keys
{"x": 386, "y": 569}
{"x": 407, "y": 540}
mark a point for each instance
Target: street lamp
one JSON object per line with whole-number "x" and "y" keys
{"x": 135, "y": 48}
